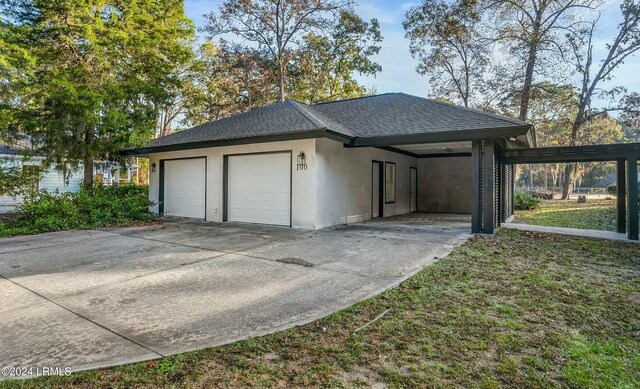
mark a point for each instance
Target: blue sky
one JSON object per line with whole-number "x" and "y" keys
{"x": 398, "y": 67}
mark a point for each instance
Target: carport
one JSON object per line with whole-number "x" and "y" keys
{"x": 489, "y": 184}
{"x": 493, "y": 160}
{"x": 625, "y": 155}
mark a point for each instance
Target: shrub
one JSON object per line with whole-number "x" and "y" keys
{"x": 42, "y": 211}
{"x": 613, "y": 189}
{"x": 525, "y": 201}
{"x": 541, "y": 195}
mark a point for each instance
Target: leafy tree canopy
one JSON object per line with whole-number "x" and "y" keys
{"x": 292, "y": 33}
{"x": 89, "y": 74}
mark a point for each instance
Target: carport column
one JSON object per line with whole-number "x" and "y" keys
{"x": 632, "y": 197}
{"x": 476, "y": 186}
{"x": 488, "y": 186}
{"x": 503, "y": 191}
{"x": 512, "y": 190}
{"x": 506, "y": 191}
{"x": 621, "y": 188}
{"x": 484, "y": 164}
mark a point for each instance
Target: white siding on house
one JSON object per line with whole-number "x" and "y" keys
{"x": 8, "y": 203}
{"x": 53, "y": 180}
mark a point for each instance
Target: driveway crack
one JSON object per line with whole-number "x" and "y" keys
{"x": 244, "y": 254}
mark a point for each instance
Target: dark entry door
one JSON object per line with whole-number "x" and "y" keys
{"x": 377, "y": 177}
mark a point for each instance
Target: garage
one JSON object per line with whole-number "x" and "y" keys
{"x": 185, "y": 187}
{"x": 259, "y": 188}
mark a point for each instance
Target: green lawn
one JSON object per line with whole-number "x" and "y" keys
{"x": 517, "y": 309}
{"x": 595, "y": 214}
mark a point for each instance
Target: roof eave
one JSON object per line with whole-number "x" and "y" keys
{"x": 319, "y": 133}
{"x": 448, "y": 136}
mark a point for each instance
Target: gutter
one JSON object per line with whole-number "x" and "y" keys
{"x": 443, "y": 136}
{"x": 348, "y": 141}
{"x": 318, "y": 133}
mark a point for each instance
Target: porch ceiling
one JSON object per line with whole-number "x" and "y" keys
{"x": 437, "y": 148}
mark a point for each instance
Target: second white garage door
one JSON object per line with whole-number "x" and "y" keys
{"x": 259, "y": 188}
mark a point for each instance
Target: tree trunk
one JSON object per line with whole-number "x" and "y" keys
{"x": 88, "y": 160}
{"x": 567, "y": 186}
{"x": 281, "y": 83}
{"x": 526, "y": 88}
{"x": 530, "y": 177}
{"x": 88, "y": 172}
{"x": 546, "y": 177}
{"x": 528, "y": 74}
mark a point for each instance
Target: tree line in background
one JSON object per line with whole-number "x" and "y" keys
{"x": 83, "y": 80}
{"x": 80, "y": 81}
{"x": 533, "y": 60}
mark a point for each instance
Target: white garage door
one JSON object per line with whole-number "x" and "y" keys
{"x": 259, "y": 188}
{"x": 184, "y": 187}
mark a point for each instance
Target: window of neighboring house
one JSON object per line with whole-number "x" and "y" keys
{"x": 390, "y": 182}
{"x": 31, "y": 175}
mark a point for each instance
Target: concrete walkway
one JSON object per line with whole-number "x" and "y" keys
{"x": 569, "y": 231}
{"x": 87, "y": 299}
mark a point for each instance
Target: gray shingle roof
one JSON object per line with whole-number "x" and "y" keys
{"x": 281, "y": 118}
{"x": 389, "y": 114}
{"x": 402, "y": 114}
{"x": 16, "y": 147}
{"x": 5, "y": 150}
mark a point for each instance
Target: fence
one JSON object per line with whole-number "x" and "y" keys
{"x": 578, "y": 190}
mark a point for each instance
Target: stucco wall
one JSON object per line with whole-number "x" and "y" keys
{"x": 303, "y": 195}
{"x": 335, "y": 188}
{"x": 344, "y": 179}
{"x": 444, "y": 185}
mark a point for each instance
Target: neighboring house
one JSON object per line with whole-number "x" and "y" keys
{"x": 51, "y": 180}
{"x": 313, "y": 166}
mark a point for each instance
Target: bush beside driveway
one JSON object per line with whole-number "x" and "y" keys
{"x": 100, "y": 206}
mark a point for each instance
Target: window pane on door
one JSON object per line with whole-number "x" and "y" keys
{"x": 390, "y": 183}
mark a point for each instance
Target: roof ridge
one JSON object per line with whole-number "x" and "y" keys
{"x": 479, "y": 111}
{"x": 300, "y": 107}
{"x": 356, "y": 98}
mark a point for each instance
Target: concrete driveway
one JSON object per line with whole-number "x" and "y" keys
{"x": 86, "y": 299}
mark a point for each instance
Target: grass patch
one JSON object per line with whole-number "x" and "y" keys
{"x": 518, "y": 309}
{"x": 595, "y": 214}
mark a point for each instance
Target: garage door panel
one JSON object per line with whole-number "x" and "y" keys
{"x": 184, "y": 187}
{"x": 259, "y": 189}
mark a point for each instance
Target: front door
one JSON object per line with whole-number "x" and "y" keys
{"x": 376, "y": 189}
{"x": 413, "y": 190}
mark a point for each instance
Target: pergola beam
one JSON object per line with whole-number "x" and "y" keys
{"x": 568, "y": 154}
